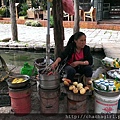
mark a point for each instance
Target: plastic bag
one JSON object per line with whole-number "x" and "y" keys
{"x": 68, "y": 6}
{"x": 99, "y": 71}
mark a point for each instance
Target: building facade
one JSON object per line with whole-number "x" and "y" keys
{"x": 106, "y": 9}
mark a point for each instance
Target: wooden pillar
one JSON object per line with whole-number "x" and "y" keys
{"x": 13, "y": 21}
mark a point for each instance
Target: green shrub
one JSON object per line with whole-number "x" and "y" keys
{"x": 33, "y": 23}
{"x": 36, "y": 24}
{"x": 28, "y": 22}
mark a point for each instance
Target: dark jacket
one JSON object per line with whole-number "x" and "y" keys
{"x": 70, "y": 49}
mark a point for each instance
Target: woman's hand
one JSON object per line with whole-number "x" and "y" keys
{"x": 54, "y": 65}
{"x": 74, "y": 64}
{"x": 86, "y": 63}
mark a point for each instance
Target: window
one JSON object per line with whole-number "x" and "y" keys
{"x": 85, "y": 4}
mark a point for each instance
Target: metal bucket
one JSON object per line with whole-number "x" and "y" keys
{"x": 49, "y": 81}
{"x": 49, "y": 101}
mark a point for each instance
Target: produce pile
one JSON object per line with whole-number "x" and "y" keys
{"x": 111, "y": 62}
{"x": 107, "y": 85}
{"x": 76, "y": 87}
{"x": 18, "y": 80}
{"x": 115, "y": 73}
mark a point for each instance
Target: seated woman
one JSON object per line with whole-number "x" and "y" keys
{"x": 78, "y": 57}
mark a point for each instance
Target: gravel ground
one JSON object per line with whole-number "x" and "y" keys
{"x": 35, "y": 114}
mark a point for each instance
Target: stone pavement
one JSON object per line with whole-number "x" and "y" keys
{"x": 35, "y": 37}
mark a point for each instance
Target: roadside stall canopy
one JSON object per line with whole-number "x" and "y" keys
{"x": 68, "y": 6}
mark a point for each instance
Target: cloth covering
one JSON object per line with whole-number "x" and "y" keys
{"x": 68, "y": 6}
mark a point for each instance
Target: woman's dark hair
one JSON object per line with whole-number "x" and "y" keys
{"x": 75, "y": 36}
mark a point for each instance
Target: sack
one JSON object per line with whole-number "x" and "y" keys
{"x": 68, "y": 6}
{"x": 4, "y": 73}
{"x": 96, "y": 73}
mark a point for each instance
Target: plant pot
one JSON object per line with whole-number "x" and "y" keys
{"x": 22, "y": 17}
{"x": 1, "y": 18}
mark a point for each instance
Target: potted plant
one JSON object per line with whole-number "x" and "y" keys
{"x": 2, "y": 11}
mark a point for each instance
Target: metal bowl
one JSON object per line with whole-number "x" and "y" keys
{"x": 107, "y": 94}
{"x": 18, "y": 85}
{"x": 76, "y": 96}
{"x": 108, "y": 67}
{"x": 39, "y": 63}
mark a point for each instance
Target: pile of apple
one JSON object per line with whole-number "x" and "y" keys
{"x": 75, "y": 86}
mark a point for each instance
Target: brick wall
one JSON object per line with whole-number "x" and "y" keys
{"x": 70, "y": 24}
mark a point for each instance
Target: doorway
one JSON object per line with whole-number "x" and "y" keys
{"x": 111, "y": 9}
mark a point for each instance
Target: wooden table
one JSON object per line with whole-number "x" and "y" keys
{"x": 34, "y": 13}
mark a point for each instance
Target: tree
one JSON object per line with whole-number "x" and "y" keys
{"x": 13, "y": 20}
{"x": 76, "y": 17}
{"x": 58, "y": 26}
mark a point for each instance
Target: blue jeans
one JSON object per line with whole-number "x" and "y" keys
{"x": 71, "y": 71}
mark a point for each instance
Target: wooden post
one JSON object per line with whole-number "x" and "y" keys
{"x": 13, "y": 21}
{"x": 16, "y": 4}
{"x": 58, "y": 26}
{"x": 76, "y": 17}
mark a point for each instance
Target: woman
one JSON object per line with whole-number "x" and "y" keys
{"x": 78, "y": 55}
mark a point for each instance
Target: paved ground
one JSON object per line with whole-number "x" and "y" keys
{"x": 35, "y": 37}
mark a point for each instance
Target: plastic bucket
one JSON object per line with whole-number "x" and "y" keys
{"x": 20, "y": 100}
{"x": 105, "y": 104}
{"x": 119, "y": 105}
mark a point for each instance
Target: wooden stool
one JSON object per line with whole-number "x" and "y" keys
{"x": 79, "y": 77}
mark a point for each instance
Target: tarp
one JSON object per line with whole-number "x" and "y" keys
{"x": 68, "y": 6}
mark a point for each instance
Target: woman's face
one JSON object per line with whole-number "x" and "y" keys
{"x": 81, "y": 42}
